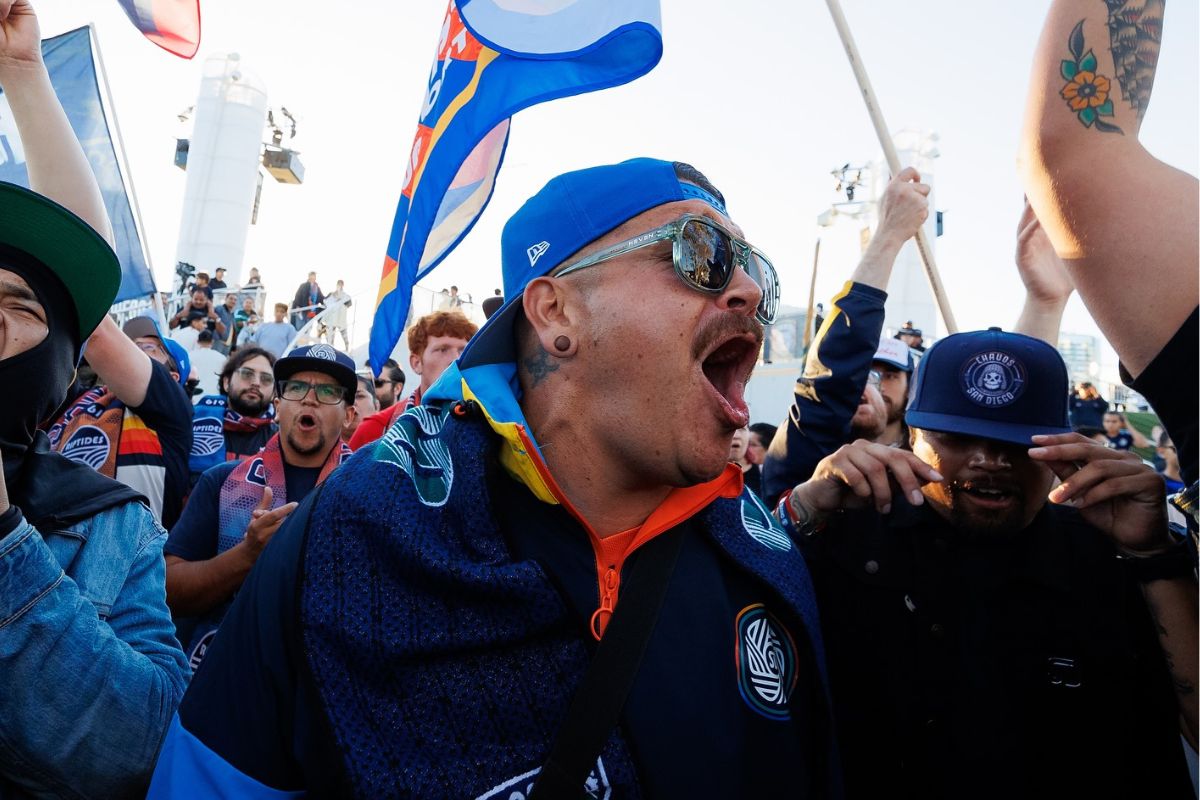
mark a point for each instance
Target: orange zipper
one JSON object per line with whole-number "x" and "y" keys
{"x": 612, "y": 551}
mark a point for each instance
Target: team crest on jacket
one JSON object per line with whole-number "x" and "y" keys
{"x": 413, "y": 445}
{"x": 208, "y": 436}
{"x": 761, "y": 526}
{"x": 992, "y": 379}
{"x": 766, "y": 662}
{"x": 88, "y": 445}
{"x": 596, "y": 787}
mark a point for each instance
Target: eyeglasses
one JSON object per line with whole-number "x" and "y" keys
{"x": 705, "y": 256}
{"x": 328, "y": 393}
{"x": 250, "y": 376}
{"x": 150, "y": 348}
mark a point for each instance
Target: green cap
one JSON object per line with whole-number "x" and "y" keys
{"x": 69, "y": 247}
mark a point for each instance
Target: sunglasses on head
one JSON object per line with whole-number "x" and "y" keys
{"x": 705, "y": 256}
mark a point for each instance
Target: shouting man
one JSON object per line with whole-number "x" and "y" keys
{"x": 236, "y": 507}
{"x": 425, "y": 621}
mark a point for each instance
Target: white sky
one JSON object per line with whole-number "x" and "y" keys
{"x": 757, "y": 94}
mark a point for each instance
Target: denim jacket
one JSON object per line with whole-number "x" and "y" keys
{"x": 90, "y": 672}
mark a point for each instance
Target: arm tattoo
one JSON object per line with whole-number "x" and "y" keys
{"x": 539, "y": 366}
{"x": 1087, "y": 92}
{"x": 1183, "y": 686}
{"x": 1135, "y": 36}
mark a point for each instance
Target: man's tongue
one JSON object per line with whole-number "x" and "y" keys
{"x": 730, "y": 390}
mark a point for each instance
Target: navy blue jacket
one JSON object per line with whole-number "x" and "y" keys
{"x": 828, "y": 392}
{"x": 428, "y": 660}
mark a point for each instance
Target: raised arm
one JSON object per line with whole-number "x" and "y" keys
{"x": 1107, "y": 204}
{"x": 59, "y": 170}
{"x": 1047, "y": 284}
{"x": 835, "y": 371}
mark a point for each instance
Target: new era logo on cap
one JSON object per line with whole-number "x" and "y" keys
{"x": 536, "y": 251}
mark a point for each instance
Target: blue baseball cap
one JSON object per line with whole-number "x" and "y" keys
{"x": 571, "y": 211}
{"x": 991, "y": 384}
{"x": 320, "y": 358}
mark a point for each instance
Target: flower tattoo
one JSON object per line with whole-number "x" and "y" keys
{"x": 1086, "y": 92}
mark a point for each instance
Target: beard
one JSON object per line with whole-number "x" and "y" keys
{"x": 895, "y": 410}
{"x": 248, "y": 407}
{"x": 320, "y": 443}
{"x": 982, "y": 524}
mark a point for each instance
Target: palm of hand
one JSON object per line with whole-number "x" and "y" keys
{"x": 1042, "y": 271}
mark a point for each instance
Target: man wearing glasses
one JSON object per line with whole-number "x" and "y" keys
{"x": 236, "y": 507}
{"x": 237, "y": 422}
{"x": 425, "y": 619}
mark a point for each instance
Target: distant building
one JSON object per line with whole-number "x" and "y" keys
{"x": 1082, "y": 354}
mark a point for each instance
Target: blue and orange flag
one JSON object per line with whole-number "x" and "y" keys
{"x": 494, "y": 58}
{"x": 173, "y": 25}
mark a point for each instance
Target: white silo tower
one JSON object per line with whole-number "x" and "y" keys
{"x": 222, "y": 167}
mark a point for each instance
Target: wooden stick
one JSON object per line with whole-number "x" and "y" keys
{"x": 889, "y": 153}
{"x": 812, "y": 292}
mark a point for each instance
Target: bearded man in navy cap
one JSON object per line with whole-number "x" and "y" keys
{"x": 989, "y": 636}
{"x": 426, "y": 620}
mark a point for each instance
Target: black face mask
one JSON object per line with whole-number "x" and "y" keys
{"x": 38, "y": 379}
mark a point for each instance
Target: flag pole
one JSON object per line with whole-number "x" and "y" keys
{"x": 812, "y": 295}
{"x": 889, "y": 153}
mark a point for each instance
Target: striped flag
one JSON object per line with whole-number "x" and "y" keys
{"x": 494, "y": 58}
{"x": 173, "y": 25}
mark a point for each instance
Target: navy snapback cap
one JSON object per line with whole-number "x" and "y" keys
{"x": 320, "y": 358}
{"x": 991, "y": 384}
{"x": 570, "y": 211}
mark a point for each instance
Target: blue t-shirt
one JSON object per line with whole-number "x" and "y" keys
{"x": 167, "y": 410}
{"x": 195, "y": 537}
{"x": 1122, "y": 441}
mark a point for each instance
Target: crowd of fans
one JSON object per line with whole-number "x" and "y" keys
{"x": 567, "y": 561}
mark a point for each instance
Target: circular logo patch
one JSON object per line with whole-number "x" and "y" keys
{"x": 993, "y": 379}
{"x": 88, "y": 445}
{"x": 323, "y": 352}
{"x": 208, "y": 436}
{"x": 766, "y": 662}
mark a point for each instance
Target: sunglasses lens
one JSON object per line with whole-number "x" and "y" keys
{"x": 763, "y": 273}
{"x": 706, "y": 256}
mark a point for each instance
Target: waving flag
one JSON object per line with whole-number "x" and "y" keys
{"x": 494, "y": 58}
{"x": 68, "y": 59}
{"x": 173, "y": 25}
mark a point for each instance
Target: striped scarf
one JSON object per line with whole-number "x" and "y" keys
{"x": 100, "y": 431}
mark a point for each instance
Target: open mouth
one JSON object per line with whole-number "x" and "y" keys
{"x": 306, "y": 422}
{"x": 727, "y": 366}
{"x": 988, "y": 494}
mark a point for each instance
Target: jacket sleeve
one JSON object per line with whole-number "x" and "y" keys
{"x": 87, "y": 700}
{"x": 828, "y": 392}
{"x": 242, "y": 729}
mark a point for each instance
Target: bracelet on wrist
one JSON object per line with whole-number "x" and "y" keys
{"x": 1176, "y": 561}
